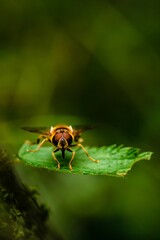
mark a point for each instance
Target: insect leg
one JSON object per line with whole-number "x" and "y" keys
{"x": 73, "y": 154}
{"x": 39, "y": 138}
{"x": 39, "y": 146}
{"x": 92, "y": 159}
{"x": 54, "y": 157}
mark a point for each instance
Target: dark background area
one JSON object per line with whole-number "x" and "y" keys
{"x": 86, "y": 62}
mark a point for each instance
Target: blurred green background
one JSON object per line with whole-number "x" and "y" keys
{"x": 86, "y": 62}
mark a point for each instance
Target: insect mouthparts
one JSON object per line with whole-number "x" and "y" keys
{"x": 63, "y": 141}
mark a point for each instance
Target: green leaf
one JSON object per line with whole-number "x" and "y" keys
{"x": 113, "y": 160}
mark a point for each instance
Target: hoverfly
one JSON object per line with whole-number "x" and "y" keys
{"x": 63, "y": 137}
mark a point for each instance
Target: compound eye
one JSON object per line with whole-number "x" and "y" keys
{"x": 68, "y": 138}
{"x": 64, "y": 137}
{"x": 54, "y": 141}
{"x": 56, "y": 138}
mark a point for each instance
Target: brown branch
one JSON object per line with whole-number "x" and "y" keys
{"x": 21, "y": 205}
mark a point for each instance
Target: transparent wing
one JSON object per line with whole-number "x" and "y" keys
{"x": 39, "y": 130}
{"x": 78, "y": 129}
